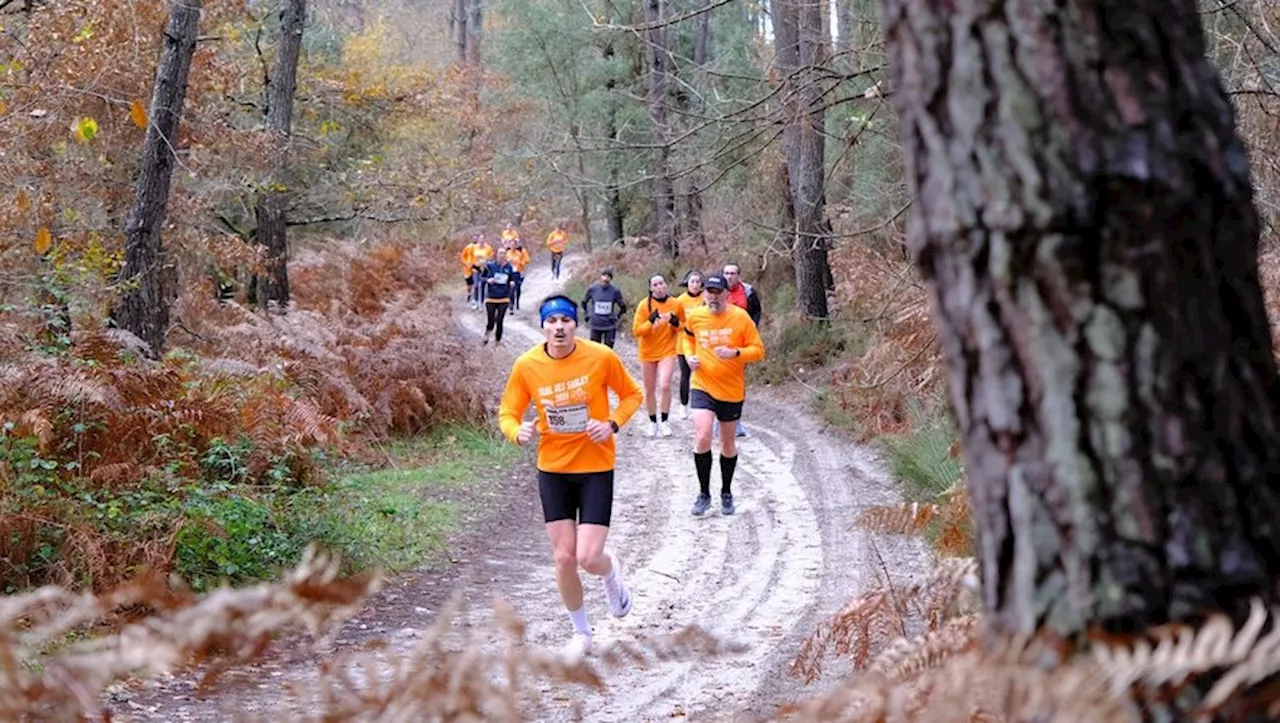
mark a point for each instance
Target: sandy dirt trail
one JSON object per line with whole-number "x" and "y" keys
{"x": 763, "y": 577}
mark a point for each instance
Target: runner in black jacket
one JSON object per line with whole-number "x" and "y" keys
{"x": 604, "y": 305}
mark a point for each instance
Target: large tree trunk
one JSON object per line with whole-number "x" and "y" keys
{"x": 1084, "y": 220}
{"x": 801, "y": 43}
{"x": 270, "y": 210}
{"x": 146, "y": 274}
{"x": 659, "y": 66}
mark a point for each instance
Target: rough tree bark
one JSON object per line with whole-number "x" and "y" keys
{"x": 1085, "y": 223}
{"x": 270, "y": 209}
{"x": 146, "y": 276}
{"x": 801, "y": 43}
{"x": 659, "y": 82}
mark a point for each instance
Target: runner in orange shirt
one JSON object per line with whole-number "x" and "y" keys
{"x": 481, "y": 254}
{"x": 656, "y": 329}
{"x": 691, "y": 299}
{"x": 468, "y": 259}
{"x": 721, "y": 340}
{"x": 516, "y": 255}
{"x": 557, "y": 242}
{"x": 568, "y": 381}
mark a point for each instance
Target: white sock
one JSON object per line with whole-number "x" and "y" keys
{"x": 579, "y": 618}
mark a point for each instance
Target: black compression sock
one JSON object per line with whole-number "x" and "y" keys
{"x": 727, "y": 466}
{"x": 702, "y": 461}
{"x": 665, "y": 415}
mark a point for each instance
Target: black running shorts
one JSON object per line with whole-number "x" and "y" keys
{"x": 584, "y": 497}
{"x": 604, "y": 336}
{"x": 725, "y": 411}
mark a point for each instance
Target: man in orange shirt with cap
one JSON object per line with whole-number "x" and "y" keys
{"x": 721, "y": 339}
{"x": 568, "y": 381}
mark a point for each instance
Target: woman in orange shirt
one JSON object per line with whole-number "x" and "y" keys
{"x": 689, "y": 300}
{"x": 656, "y": 327}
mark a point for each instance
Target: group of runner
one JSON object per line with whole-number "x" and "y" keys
{"x": 710, "y": 330}
{"x": 494, "y": 279}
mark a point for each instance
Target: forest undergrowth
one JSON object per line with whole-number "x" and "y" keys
{"x": 219, "y": 460}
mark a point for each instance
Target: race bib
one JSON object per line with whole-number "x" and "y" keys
{"x": 569, "y": 419}
{"x": 603, "y": 308}
{"x": 499, "y": 279}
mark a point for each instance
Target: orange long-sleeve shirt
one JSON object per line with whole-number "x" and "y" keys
{"x": 468, "y": 256}
{"x": 688, "y": 302}
{"x": 723, "y": 379}
{"x": 557, "y": 241}
{"x": 518, "y": 257}
{"x": 481, "y": 254}
{"x": 566, "y": 393}
{"x": 656, "y": 341}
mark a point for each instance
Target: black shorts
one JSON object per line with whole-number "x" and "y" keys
{"x": 604, "y": 336}
{"x": 584, "y": 497}
{"x": 725, "y": 411}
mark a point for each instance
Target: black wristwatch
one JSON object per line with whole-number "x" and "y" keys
{"x": 614, "y": 425}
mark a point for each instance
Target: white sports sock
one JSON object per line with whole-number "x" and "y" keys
{"x": 580, "y": 622}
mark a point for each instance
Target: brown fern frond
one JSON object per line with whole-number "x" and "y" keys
{"x": 12, "y": 341}
{"x": 907, "y": 518}
{"x": 904, "y": 658}
{"x": 55, "y": 385}
{"x": 308, "y": 425}
{"x": 108, "y": 475}
{"x": 227, "y": 623}
{"x": 1171, "y": 654}
{"x": 35, "y": 422}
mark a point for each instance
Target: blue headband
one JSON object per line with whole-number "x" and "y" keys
{"x": 558, "y": 305}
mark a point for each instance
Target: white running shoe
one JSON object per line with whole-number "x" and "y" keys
{"x": 653, "y": 430}
{"x": 577, "y": 648}
{"x": 664, "y": 428}
{"x": 616, "y": 591}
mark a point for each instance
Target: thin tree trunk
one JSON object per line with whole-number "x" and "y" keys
{"x": 845, "y": 34}
{"x": 584, "y": 198}
{"x": 692, "y": 206}
{"x": 801, "y": 53}
{"x": 270, "y": 211}
{"x": 146, "y": 274}
{"x": 460, "y": 13}
{"x": 663, "y": 192}
{"x": 615, "y": 212}
{"x": 475, "y": 28}
{"x": 702, "y": 38}
{"x": 1084, "y": 221}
